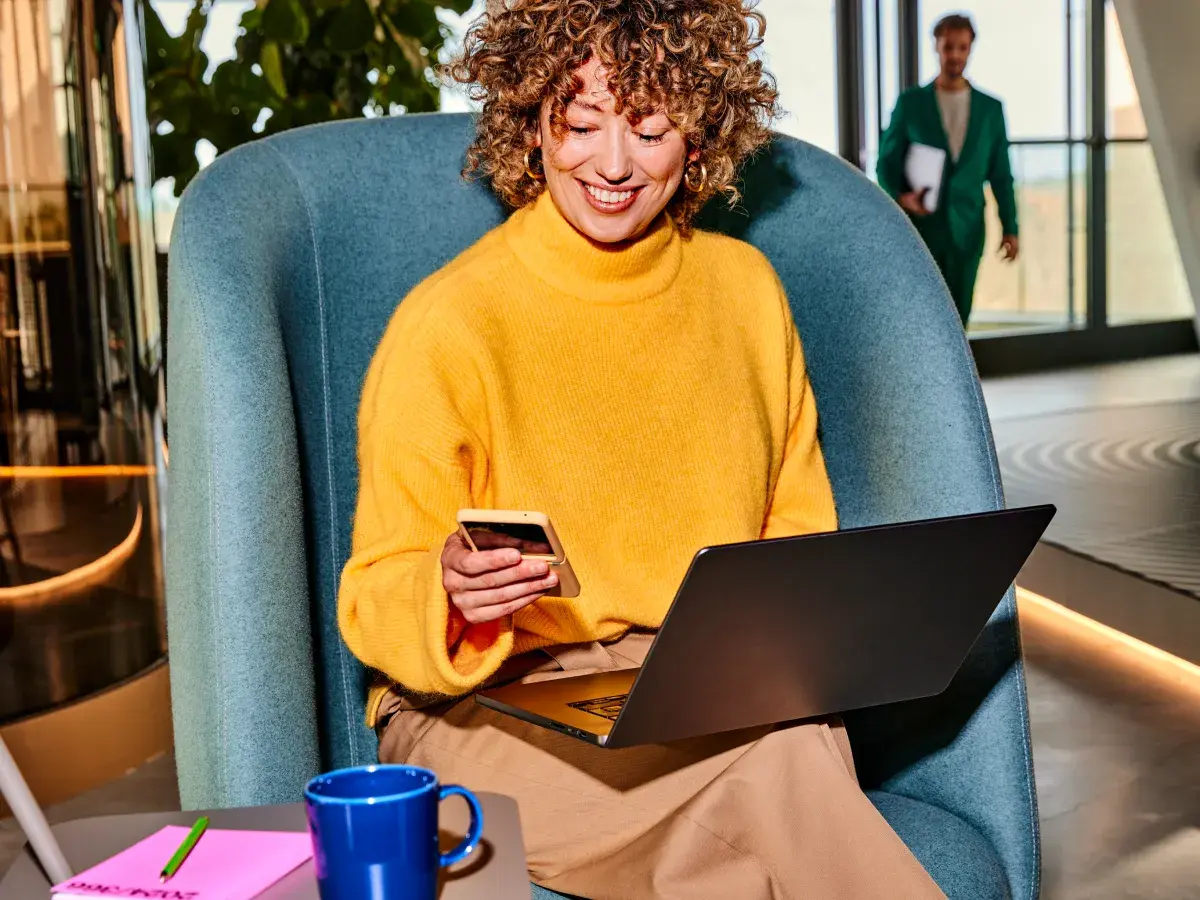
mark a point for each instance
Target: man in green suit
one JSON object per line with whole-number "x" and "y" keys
{"x": 951, "y": 115}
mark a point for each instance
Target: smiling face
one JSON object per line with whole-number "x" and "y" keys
{"x": 608, "y": 175}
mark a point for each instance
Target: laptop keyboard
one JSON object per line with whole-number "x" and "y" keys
{"x": 604, "y": 707}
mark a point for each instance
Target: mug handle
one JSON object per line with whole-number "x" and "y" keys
{"x": 474, "y": 833}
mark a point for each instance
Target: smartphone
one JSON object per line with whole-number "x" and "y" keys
{"x": 529, "y": 532}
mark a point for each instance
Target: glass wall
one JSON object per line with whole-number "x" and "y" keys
{"x": 1043, "y": 99}
{"x": 881, "y": 73}
{"x": 1146, "y": 281}
{"x": 1045, "y": 287}
{"x": 80, "y": 354}
{"x": 800, "y": 50}
{"x": 1036, "y": 91}
{"x": 1087, "y": 185}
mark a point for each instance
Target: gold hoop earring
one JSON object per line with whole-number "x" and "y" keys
{"x": 534, "y": 176}
{"x": 687, "y": 179}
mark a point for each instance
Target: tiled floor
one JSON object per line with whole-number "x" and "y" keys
{"x": 1119, "y": 454}
{"x": 1116, "y": 738}
{"x": 1116, "y": 747}
{"x": 1165, "y": 380}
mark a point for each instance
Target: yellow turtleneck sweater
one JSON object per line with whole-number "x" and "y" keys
{"x": 650, "y": 398}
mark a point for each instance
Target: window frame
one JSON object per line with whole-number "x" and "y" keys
{"x": 1095, "y": 339}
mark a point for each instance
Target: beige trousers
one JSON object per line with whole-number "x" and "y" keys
{"x": 763, "y": 814}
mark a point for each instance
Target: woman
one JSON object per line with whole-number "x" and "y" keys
{"x": 598, "y": 360}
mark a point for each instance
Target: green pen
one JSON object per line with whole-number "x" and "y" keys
{"x": 185, "y": 848}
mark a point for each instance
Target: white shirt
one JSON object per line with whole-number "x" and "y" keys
{"x": 955, "y": 107}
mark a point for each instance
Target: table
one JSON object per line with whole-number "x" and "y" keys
{"x": 495, "y": 871}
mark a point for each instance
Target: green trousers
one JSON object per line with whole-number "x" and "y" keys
{"x": 959, "y": 268}
{"x": 958, "y": 261}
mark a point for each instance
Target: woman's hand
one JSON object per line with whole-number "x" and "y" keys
{"x": 486, "y": 585}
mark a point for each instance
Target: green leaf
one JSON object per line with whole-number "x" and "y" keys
{"x": 197, "y": 21}
{"x": 425, "y": 99}
{"x": 181, "y": 115}
{"x": 247, "y": 48}
{"x": 163, "y": 52}
{"x": 229, "y": 81}
{"x": 352, "y": 28}
{"x": 285, "y": 21}
{"x": 166, "y": 94}
{"x": 174, "y": 157}
{"x": 234, "y": 86}
{"x": 251, "y": 19}
{"x": 415, "y": 95}
{"x": 316, "y": 59}
{"x": 307, "y": 110}
{"x": 416, "y": 18}
{"x": 185, "y": 175}
{"x": 272, "y": 67}
{"x": 198, "y": 65}
{"x": 226, "y": 131}
{"x": 167, "y": 151}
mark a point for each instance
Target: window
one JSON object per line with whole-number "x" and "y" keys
{"x": 881, "y": 70}
{"x": 800, "y": 50}
{"x": 1031, "y": 55}
{"x": 454, "y": 97}
{"x": 1146, "y": 281}
{"x": 1124, "y": 109}
{"x": 1019, "y": 56}
{"x": 1046, "y": 287}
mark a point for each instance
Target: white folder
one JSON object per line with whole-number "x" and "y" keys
{"x": 923, "y": 168}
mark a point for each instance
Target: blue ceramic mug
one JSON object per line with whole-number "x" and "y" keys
{"x": 375, "y": 832}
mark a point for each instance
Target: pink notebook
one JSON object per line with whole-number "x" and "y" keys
{"x": 224, "y": 865}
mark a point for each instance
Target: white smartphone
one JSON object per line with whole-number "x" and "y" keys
{"x": 529, "y": 532}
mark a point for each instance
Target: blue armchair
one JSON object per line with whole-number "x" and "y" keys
{"x": 287, "y": 257}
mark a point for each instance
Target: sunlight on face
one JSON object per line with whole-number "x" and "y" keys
{"x": 609, "y": 177}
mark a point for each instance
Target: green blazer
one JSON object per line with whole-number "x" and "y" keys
{"x": 984, "y": 157}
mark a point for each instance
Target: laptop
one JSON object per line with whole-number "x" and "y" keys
{"x": 774, "y": 631}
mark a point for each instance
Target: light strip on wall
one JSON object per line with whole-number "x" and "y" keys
{"x": 1045, "y": 609}
{"x": 73, "y": 582}
{"x": 74, "y": 471}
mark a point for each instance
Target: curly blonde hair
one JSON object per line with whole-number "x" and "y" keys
{"x": 691, "y": 59}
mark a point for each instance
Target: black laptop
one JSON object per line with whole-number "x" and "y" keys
{"x": 774, "y": 631}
